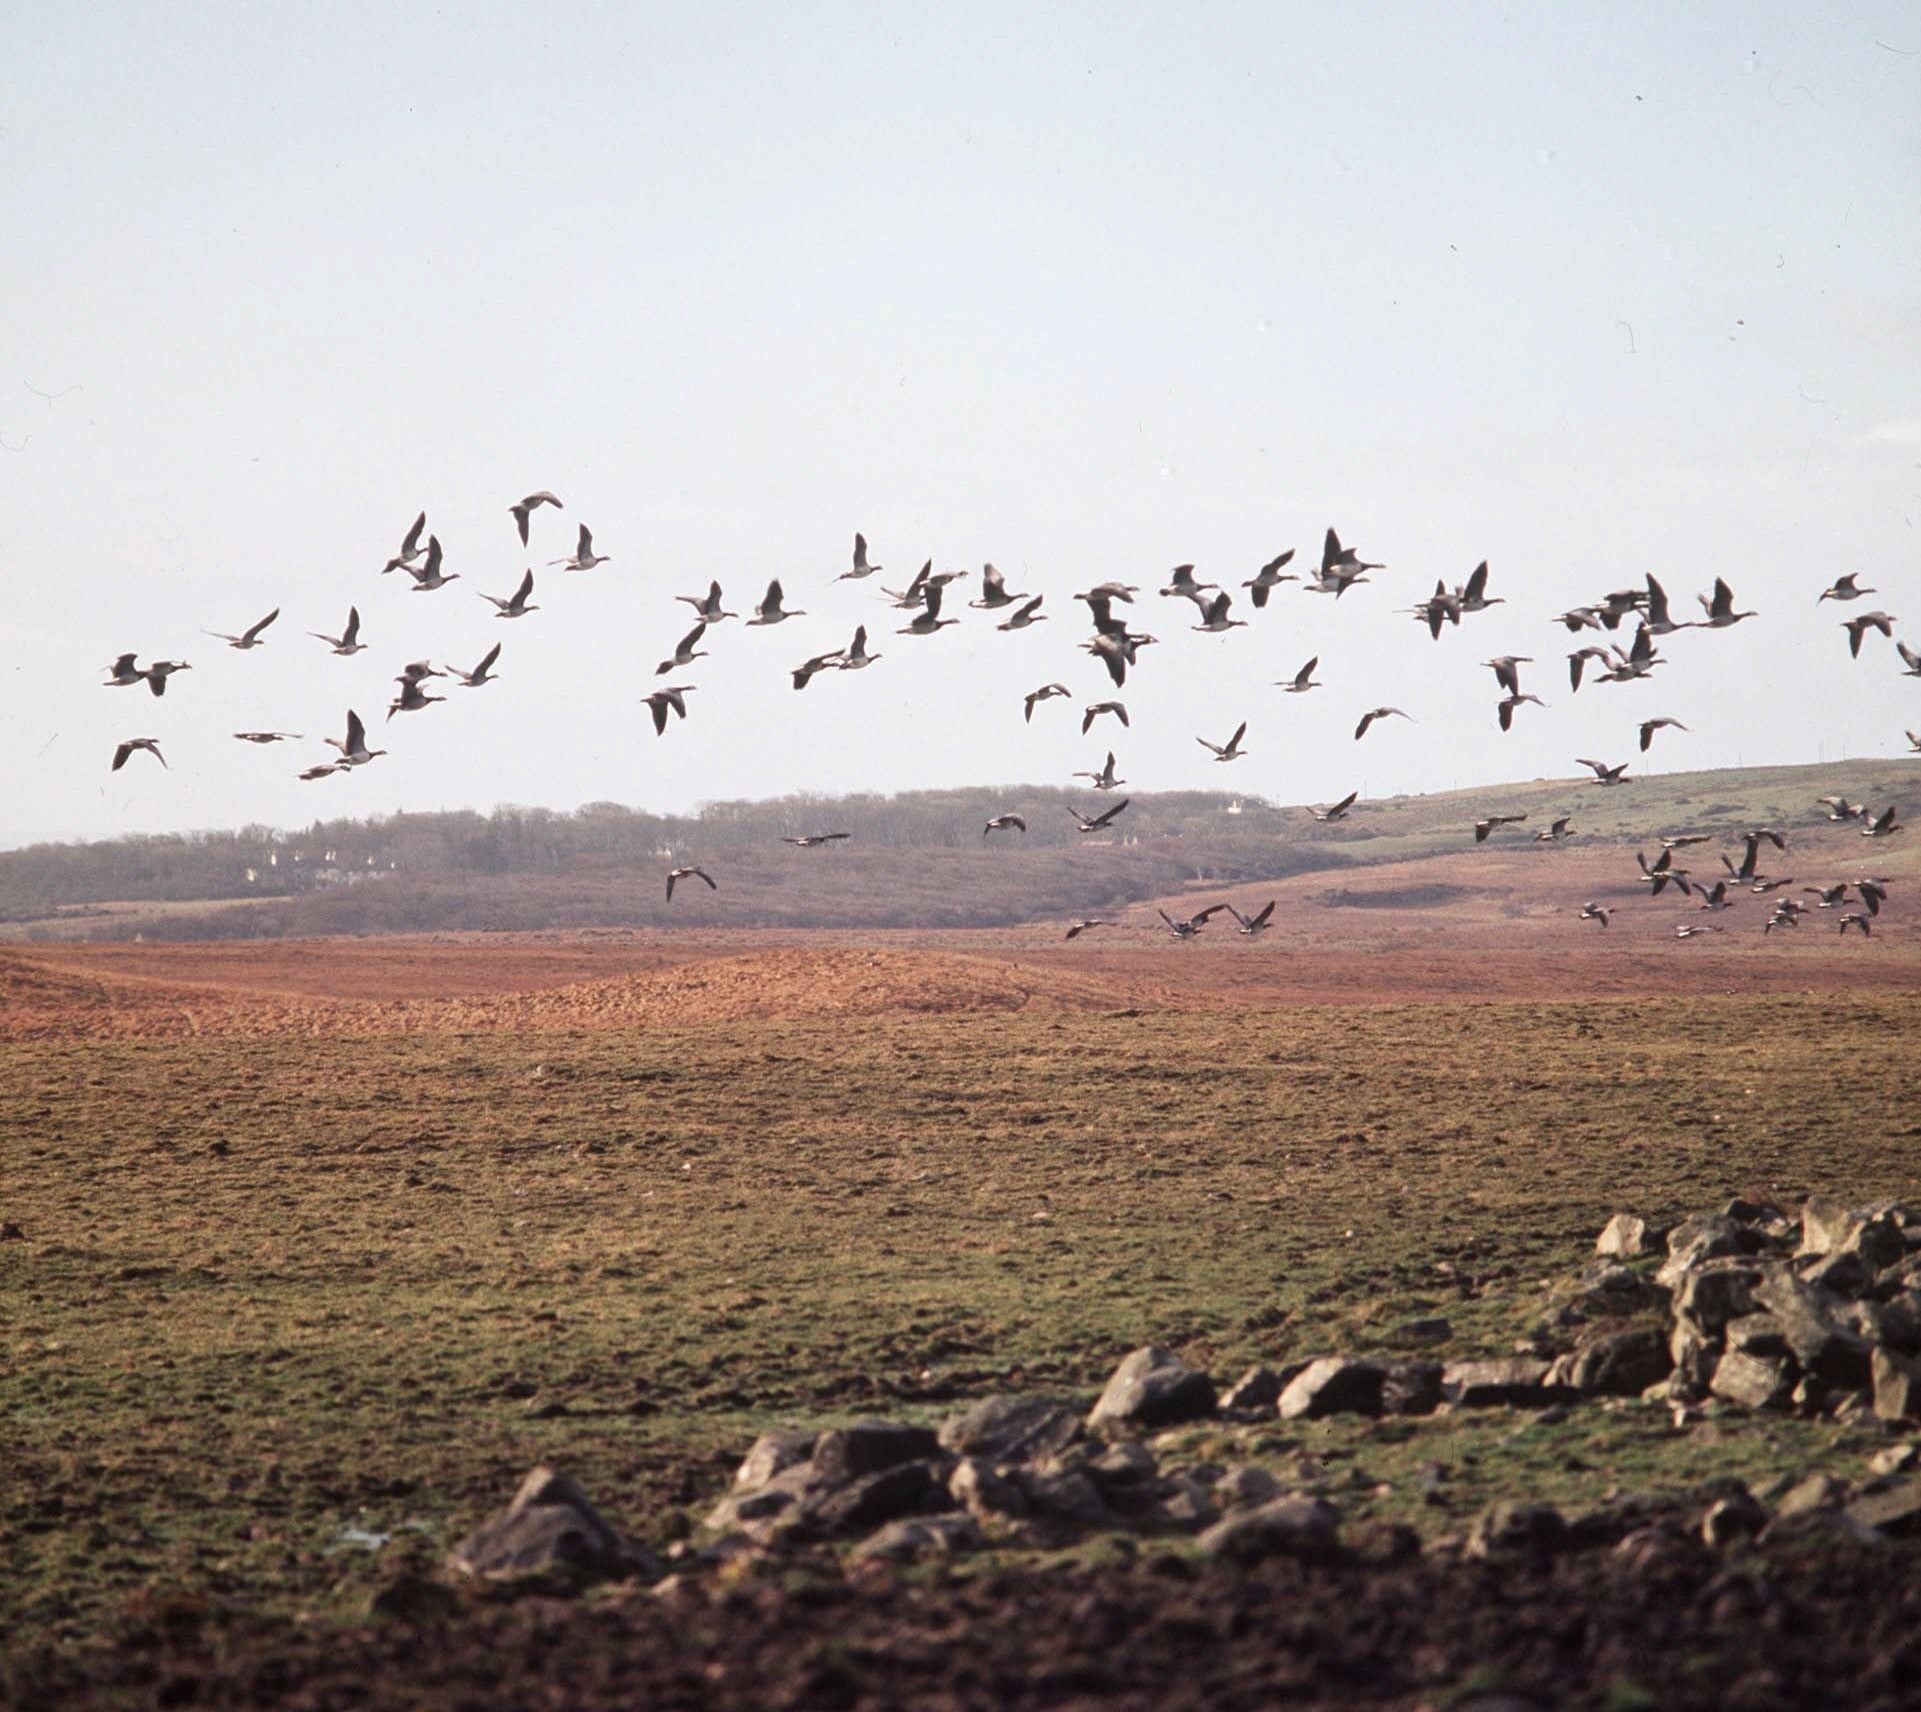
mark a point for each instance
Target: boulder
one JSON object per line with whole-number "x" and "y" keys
{"x": 866, "y": 1447}
{"x": 552, "y": 1531}
{"x": 1620, "y": 1363}
{"x": 1825, "y": 1348}
{"x": 1625, "y": 1237}
{"x": 920, "y": 1536}
{"x": 1825, "y": 1225}
{"x": 1753, "y": 1381}
{"x": 1293, "y": 1526}
{"x": 1894, "y": 1510}
{"x": 1152, "y": 1387}
{"x": 1509, "y": 1527}
{"x": 1715, "y": 1292}
{"x": 1843, "y": 1272}
{"x": 1757, "y": 1334}
{"x": 1897, "y": 1385}
{"x": 1814, "y": 1492}
{"x": 905, "y": 1489}
{"x": 1411, "y": 1387}
{"x": 983, "y": 1491}
{"x": 1506, "y": 1380}
{"x": 1243, "y": 1486}
{"x": 1179, "y": 1501}
{"x": 770, "y": 1453}
{"x": 1012, "y": 1428}
{"x": 1333, "y": 1385}
{"x": 1254, "y": 1393}
{"x": 1067, "y": 1497}
{"x": 755, "y": 1508}
{"x": 1705, "y": 1236}
{"x": 1125, "y": 1463}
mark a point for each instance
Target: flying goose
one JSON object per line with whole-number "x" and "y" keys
{"x": 418, "y": 671}
{"x": 354, "y": 751}
{"x": 1720, "y": 609}
{"x": 348, "y": 641}
{"x": 1603, "y": 773}
{"x": 1004, "y": 823}
{"x": 326, "y": 770}
{"x": 688, "y": 873}
{"x": 1855, "y": 919}
{"x": 1483, "y": 827}
{"x": 928, "y": 619}
{"x": 1507, "y": 670}
{"x": 1578, "y": 660}
{"x": 1439, "y": 608}
{"x": 861, "y": 567}
{"x": 685, "y": 651}
{"x": 1104, "y": 780}
{"x": 994, "y": 591}
{"x": 1029, "y": 614}
{"x": 410, "y": 548}
{"x": 528, "y": 506}
{"x": 1883, "y": 827}
{"x": 1844, "y": 588}
{"x": 266, "y": 736}
{"x": 1504, "y": 708}
{"x": 1639, "y": 660}
{"x": 248, "y": 638}
{"x": 1910, "y": 661}
{"x": 856, "y": 655}
{"x": 482, "y": 673}
{"x": 1715, "y": 897}
{"x": 1232, "y": 750}
{"x": 1337, "y": 560}
{"x": 770, "y": 610}
{"x": 1787, "y": 913}
{"x": 412, "y": 698}
{"x": 1268, "y": 578}
{"x": 1472, "y": 595}
{"x": 1650, "y": 726}
{"x": 515, "y": 605}
{"x": 1180, "y": 581}
{"x": 1914, "y": 740}
{"x": 1558, "y": 830}
{"x": 1117, "y": 650}
{"x": 661, "y": 700}
{"x": 1373, "y": 714}
{"x": 1095, "y": 709}
{"x": 1579, "y": 618}
{"x": 1303, "y": 680}
{"x": 150, "y": 744}
{"x": 1659, "y": 620}
{"x": 584, "y": 557}
{"x": 1076, "y": 929}
{"x": 1591, "y": 911}
{"x": 1681, "y": 840}
{"x": 1098, "y": 822}
{"x": 1830, "y": 896}
{"x": 1257, "y": 923}
{"x": 1189, "y": 928}
{"x": 819, "y": 663}
{"x": 1103, "y": 592}
{"x": 1662, "y": 873}
{"x": 808, "y": 840}
{"x": 1047, "y": 692}
{"x": 1336, "y": 811}
{"x": 915, "y": 592}
{"x": 1688, "y": 930}
{"x": 427, "y": 577}
{"x": 1874, "y": 893}
{"x": 122, "y": 673}
{"x": 1214, "y": 619}
{"x": 708, "y": 605}
{"x": 1858, "y": 627}
{"x": 1839, "y": 808}
{"x": 1612, "y": 608}
{"x": 160, "y": 671}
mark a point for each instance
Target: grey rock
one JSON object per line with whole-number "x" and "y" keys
{"x": 752, "y": 1509}
{"x": 1506, "y": 1380}
{"x": 550, "y": 1530}
{"x": 1717, "y": 1291}
{"x": 1814, "y": 1492}
{"x": 1615, "y": 1364}
{"x": 1843, "y": 1272}
{"x": 1825, "y": 1225}
{"x": 1824, "y": 1348}
{"x": 1254, "y": 1393}
{"x": 866, "y": 1447}
{"x": 1068, "y": 1497}
{"x": 1411, "y": 1387}
{"x": 1894, "y": 1511}
{"x": 1894, "y": 1324}
{"x": 1152, "y": 1387}
{"x": 772, "y": 1452}
{"x": 905, "y": 1489}
{"x": 1244, "y": 1486}
{"x": 984, "y": 1491}
{"x": 1897, "y": 1385}
{"x": 1746, "y": 1212}
{"x": 1895, "y": 1459}
{"x": 1705, "y": 1236}
{"x": 1293, "y": 1526}
{"x": 1508, "y": 1527}
{"x": 1757, "y": 1334}
{"x": 1012, "y": 1428}
{"x": 1753, "y": 1381}
{"x": 920, "y": 1536}
{"x": 1179, "y": 1501}
{"x": 1333, "y": 1385}
{"x": 1125, "y": 1463}
{"x": 1625, "y": 1237}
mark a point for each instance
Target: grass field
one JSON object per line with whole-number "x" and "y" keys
{"x": 282, "y": 1285}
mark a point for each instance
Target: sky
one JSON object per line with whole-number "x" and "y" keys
{"x": 1588, "y": 292}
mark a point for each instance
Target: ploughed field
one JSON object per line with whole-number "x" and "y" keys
{"x": 309, "y": 1274}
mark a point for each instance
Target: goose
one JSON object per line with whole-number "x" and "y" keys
{"x": 1105, "y": 779}
{"x": 1579, "y": 618}
{"x": 671, "y": 697}
{"x": 248, "y": 638}
{"x": 528, "y": 506}
{"x": 1086, "y": 924}
{"x": 1098, "y": 822}
{"x": 1639, "y": 660}
{"x": 353, "y": 749}
{"x": 1844, "y": 588}
{"x": 1335, "y": 811}
{"x": 410, "y": 548}
{"x": 1830, "y": 896}
{"x": 1886, "y": 826}
{"x": 861, "y": 567}
{"x": 1874, "y": 893}
{"x": 267, "y": 736}
{"x": 994, "y": 591}
{"x": 122, "y": 673}
{"x": 1483, "y": 827}
{"x": 915, "y": 592}
{"x": 804, "y": 672}
{"x": 1507, "y": 670}
{"x": 1612, "y": 608}
{"x": 1558, "y": 830}
{"x": 1577, "y": 662}
{"x": 348, "y": 641}
{"x": 1029, "y": 614}
{"x": 326, "y": 770}
{"x": 1373, "y": 714}
{"x": 1095, "y": 709}
{"x": 856, "y": 655}
{"x": 1720, "y": 609}
{"x": 1650, "y": 726}
{"x": 1472, "y": 595}
{"x": 1681, "y": 840}
{"x": 940, "y": 579}
{"x": 1603, "y": 773}
{"x": 685, "y": 653}
{"x": 1004, "y": 823}
{"x": 1439, "y": 608}
{"x": 1189, "y": 928}
{"x": 1689, "y": 930}
{"x": 808, "y": 840}
{"x": 928, "y": 619}
{"x": 1232, "y": 750}
{"x": 412, "y": 698}
{"x": 1662, "y": 873}
{"x": 1839, "y": 808}
{"x": 1214, "y": 619}
{"x": 160, "y": 671}
{"x": 1047, "y": 692}
{"x": 127, "y": 747}
{"x": 1786, "y": 914}
{"x": 584, "y": 557}
{"x": 1257, "y": 923}
{"x": 1336, "y": 580}
{"x": 427, "y": 577}
{"x": 1504, "y": 708}
{"x": 1910, "y": 663}
{"x": 688, "y": 873}
{"x": 1102, "y": 595}
{"x": 482, "y": 673}
{"x": 516, "y": 604}
{"x": 1303, "y": 680}
{"x": 1659, "y": 620}
{"x": 1180, "y": 581}
{"x": 707, "y": 605}
{"x": 770, "y": 610}
{"x": 1763, "y": 885}
{"x": 1855, "y": 919}
{"x": 1336, "y": 559}
{"x": 1859, "y": 627}
{"x": 418, "y": 671}
{"x": 1591, "y": 911}
{"x": 1715, "y": 897}
{"x": 1914, "y": 740}
{"x": 1269, "y": 578}
{"x": 1117, "y": 650}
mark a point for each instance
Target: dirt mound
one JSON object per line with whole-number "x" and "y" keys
{"x": 42, "y": 1003}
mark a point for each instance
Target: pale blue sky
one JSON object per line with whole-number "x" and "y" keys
{"x": 1586, "y": 292}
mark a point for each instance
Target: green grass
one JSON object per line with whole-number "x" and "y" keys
{"x": 270, "y": 1292}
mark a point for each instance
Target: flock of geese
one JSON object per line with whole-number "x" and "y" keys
{"x": 1117, "y": 645}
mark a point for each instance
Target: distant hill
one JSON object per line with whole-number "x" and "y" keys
{"x": 914, "y": 860}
